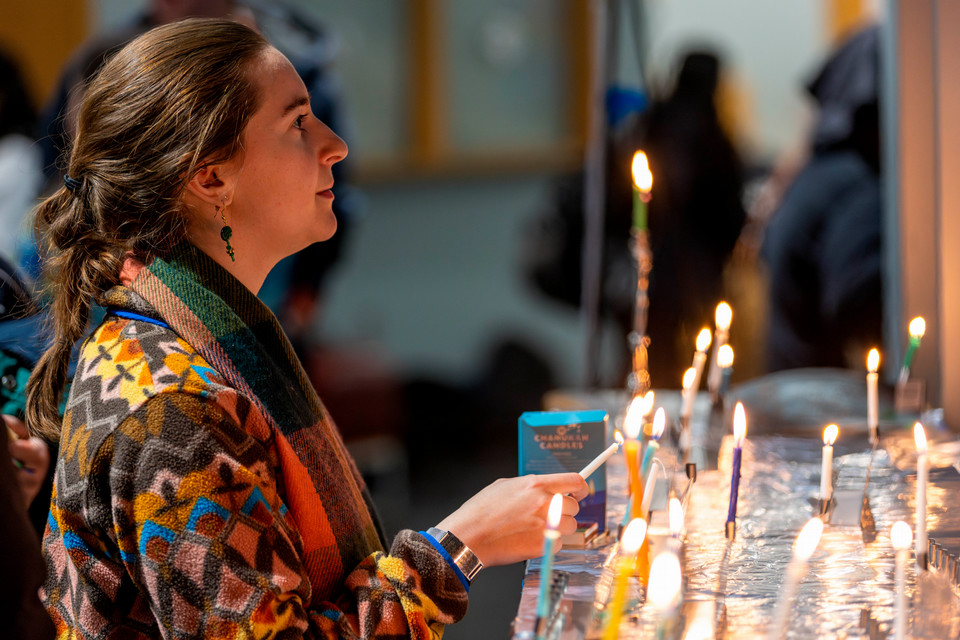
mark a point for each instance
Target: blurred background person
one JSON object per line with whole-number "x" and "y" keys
{"x": 695, "y": 215}
{"x": 20, "y": 160}
{"x": 823, "y": 241}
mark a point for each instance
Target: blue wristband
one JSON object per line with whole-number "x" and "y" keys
{"x": 446, "y": 556}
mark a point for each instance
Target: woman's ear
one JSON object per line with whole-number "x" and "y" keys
{"x": 208, "y": 185}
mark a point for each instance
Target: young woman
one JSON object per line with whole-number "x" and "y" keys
{"x": 201, "y": 488}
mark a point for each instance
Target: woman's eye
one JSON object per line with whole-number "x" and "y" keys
{"x": 298, "y": 123}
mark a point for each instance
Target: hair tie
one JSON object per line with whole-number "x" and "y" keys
{"x": 72, "y": 184}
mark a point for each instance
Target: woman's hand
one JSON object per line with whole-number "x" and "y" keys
{"x": 31, "y": 457}
{"x": 504, "y": 523}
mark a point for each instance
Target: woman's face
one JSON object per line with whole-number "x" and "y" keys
{"x": 282, "y": 196}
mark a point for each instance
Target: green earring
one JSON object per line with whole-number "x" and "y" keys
{"x": 226, "y": 232}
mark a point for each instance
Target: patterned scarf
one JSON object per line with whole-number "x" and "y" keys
{"x": 240, "y": 337}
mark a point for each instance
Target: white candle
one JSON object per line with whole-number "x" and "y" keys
{"x": 873, "y": 364}
{"x": 699, "y": 359}
{"x": 826, "y": 468}
{"x": 725, "y": 362}
{"x": 588, "y": 470}
{"x": 803, "y": 548}
{"x": 722, "y": 316}
{"x": 550, "y": 538}
{"x": 650, "y": 482}
{"x": 900, "y": 538}
{"x": 920, "y": 438}
{"x": 689, "y": 393}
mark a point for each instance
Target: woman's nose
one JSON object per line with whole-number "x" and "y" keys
{"x": 332, "y": 148}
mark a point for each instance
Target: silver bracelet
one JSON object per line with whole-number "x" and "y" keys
{"x": 465, "y": 559}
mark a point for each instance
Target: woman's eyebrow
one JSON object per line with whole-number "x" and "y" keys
{"x": 299, "y": 102}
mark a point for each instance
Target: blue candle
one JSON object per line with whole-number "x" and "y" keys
{"x": 550, "y": 538}
{"x": 659, "y": 422}
{"x": 739, "y": 432}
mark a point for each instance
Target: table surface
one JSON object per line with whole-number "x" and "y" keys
{"x": 731, "y": 588}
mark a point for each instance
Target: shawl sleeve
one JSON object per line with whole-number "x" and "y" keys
{"x": 202, "y": 528}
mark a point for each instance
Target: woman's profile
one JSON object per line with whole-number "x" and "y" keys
{"x": 201, "y": 488}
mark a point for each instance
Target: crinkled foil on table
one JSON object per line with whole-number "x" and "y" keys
{"x": 732, "y": 587}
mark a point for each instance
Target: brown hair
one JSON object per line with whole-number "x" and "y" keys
{"x": 172, "y": 100}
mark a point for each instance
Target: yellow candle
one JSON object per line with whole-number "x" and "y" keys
{"x": 633, "y": 537}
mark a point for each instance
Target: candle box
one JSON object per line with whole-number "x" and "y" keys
{"x": 560, "y": 441}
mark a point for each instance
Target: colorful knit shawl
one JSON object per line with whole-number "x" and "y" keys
{"x": 240, "y": 337}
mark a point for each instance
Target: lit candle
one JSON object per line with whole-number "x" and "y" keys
{"x": 632, "y": 425}
{"x": 642, "y": 183}
{"x": 663, "y": 592}
{"x": 550, "y": 538}
{"x": 722, "y": 316}
{"x": 826, "y": 468}
{"x": 725, "y": 362}
{"x": 633, "y": 537}
{"x": 873, "y": 364}
{"x": 804, "y": 546}
{"x": 917, "y": 328}
{"x": 647, "y": 406}
{"x": 692, "y": 385}
{"x": 588, "y": 470}
{"x": 650, "y": 483}
{"x": 739, "y": 433}
{"x": 920, "y": 438}
{"x": 900, "y": 538}
{"x": 659, "y": 422}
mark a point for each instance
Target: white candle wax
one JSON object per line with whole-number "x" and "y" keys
{"x": 920, "y": 549}
{"x": 691, "y": 381}
{"x": 723, "y": 316}
{"x": 873, "y": 363}
{"x": 900, "y": 538}
{"x": 649, "y": 483}
{"x": 826, "y": 469}
{"x": 699, "y": 359}
{"x": 588, "y": 470}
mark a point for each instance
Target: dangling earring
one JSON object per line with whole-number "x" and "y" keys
{"x": 225, "y": 231}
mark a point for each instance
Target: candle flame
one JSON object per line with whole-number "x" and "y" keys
{"x": 703, "y": 339}
{"x": 830, "y": 434}
{"x": 700, "y": 629}
{"x": 633, "y": 536}
{"x": 647, "y": 405}
{"x": 555, "y": 511}
{"x": 659, "y": 422}
{"x": 725, "y": 356}
{"x": 633, "y": 421}
{"x": 665, "y": 580}
{"x": 641, "y": 172}
{"x": 873, "y": 360}
{"x": 918, "y": 327}
{"x": 618, "y": 437}
{"x": 688, "y": 376}
{"x": 723, "y": 316}
{"x": 675, "y": 514}
{"x": 739, "y": 424}
{"x": 901, "y": 536}
{"x": 808, "y": 539}
{"x": 920, "y": 438}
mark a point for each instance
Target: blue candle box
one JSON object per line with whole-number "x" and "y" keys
{"x": 559, "y": 441}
